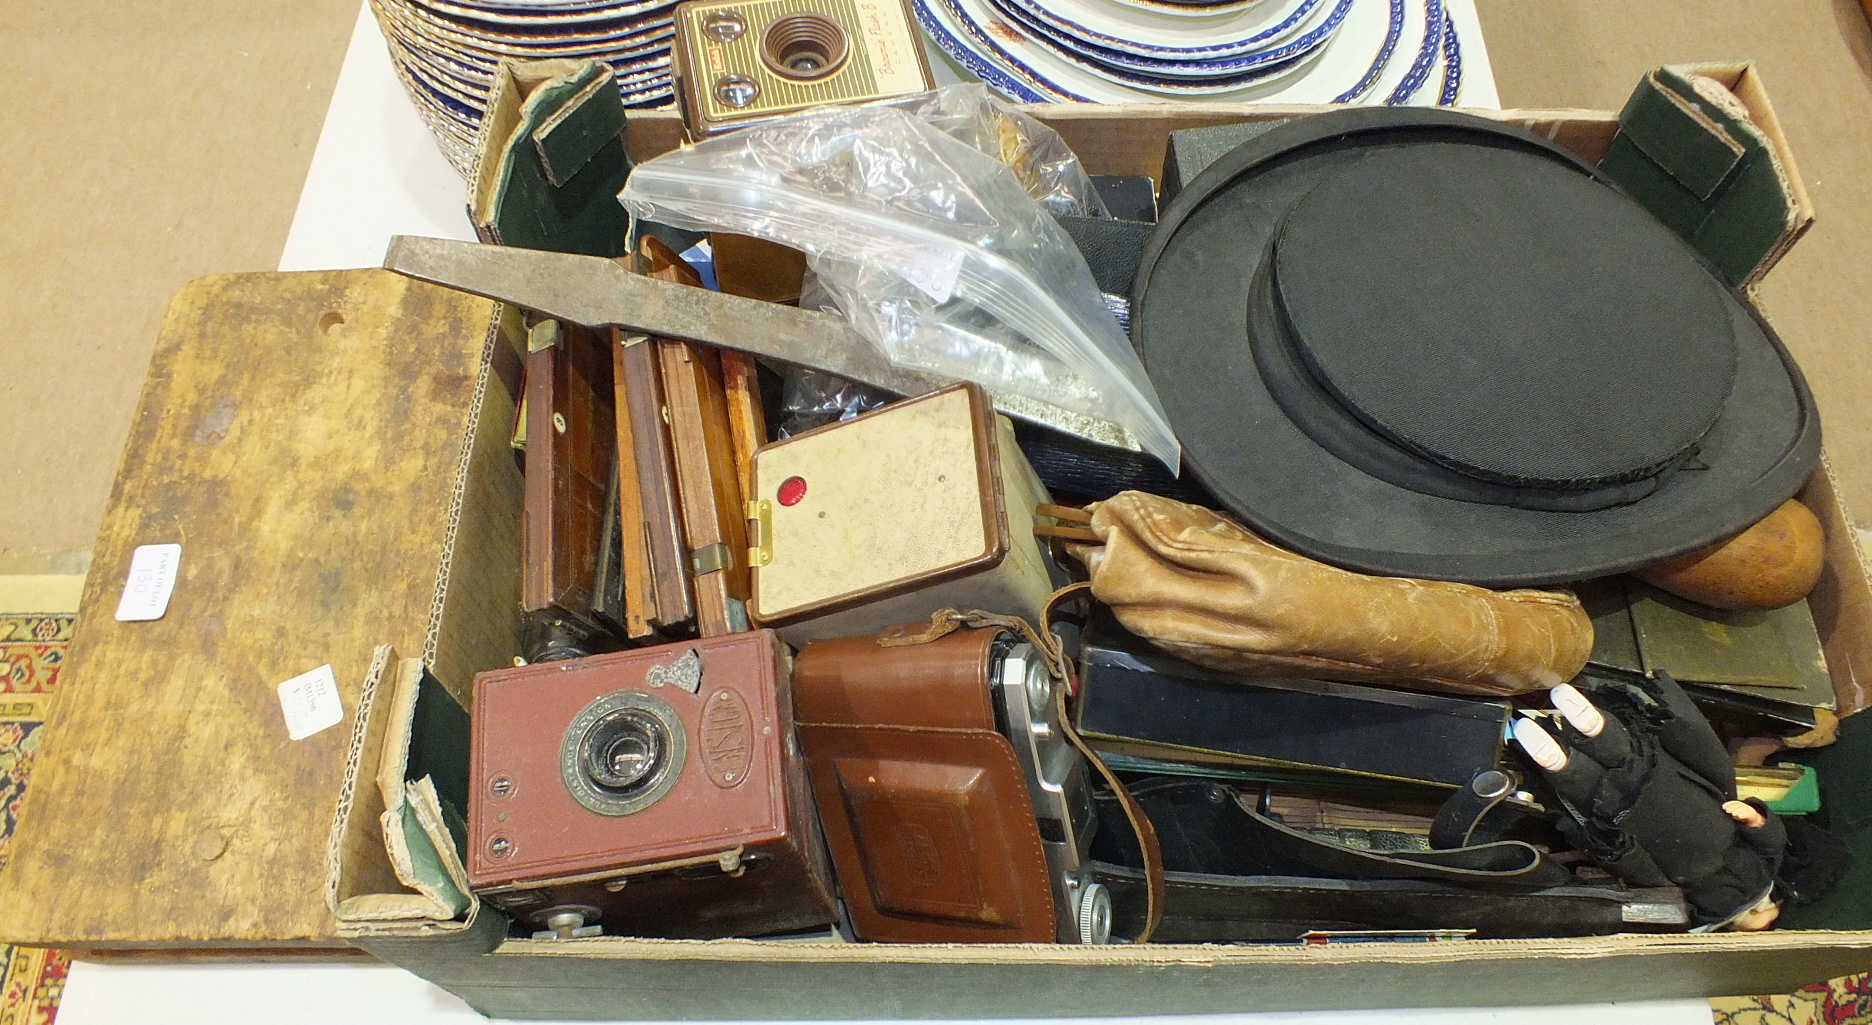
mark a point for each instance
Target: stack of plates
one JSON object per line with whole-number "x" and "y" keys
{"x": 446, "y": 51}
{"x": 1035, "y": 51}
{"x": 1128, "y": 51}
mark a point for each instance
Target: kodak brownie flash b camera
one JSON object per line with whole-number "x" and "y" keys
{"x": 652, "y": 792}
{"x": 742, "y": 62}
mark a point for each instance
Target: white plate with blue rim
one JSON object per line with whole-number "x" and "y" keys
{"x": 1370, "y": 59}
{"x": 1198, "y": 9}
{"x": 470, "y": 76}
{"x": 647, "y": 33}
{"x": 1152, "y": 33}
{"x": 1073, "y": 72}
{"x": 560, "y": 11}
{"x": 1024, "y": 68}
{"x": 1420, "y": 72}
{"x": 1322, "y": 22}
{"x": 524, "y": 39}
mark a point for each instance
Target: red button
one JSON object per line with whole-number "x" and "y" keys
{"x": 792, "y": 490}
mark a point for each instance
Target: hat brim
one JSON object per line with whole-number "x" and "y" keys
{"x": 1190, "y": 322}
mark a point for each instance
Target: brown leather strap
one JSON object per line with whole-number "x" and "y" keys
{"x": 1154, "y": 895}
{"x": 1081, "y": 534}
{"x": 947, "y": 621}
{"x": 1071, "y": 592}
{"x": 1073, "y": 525}
{"x": 1064, "y": 513}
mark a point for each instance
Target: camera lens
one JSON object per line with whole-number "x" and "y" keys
{"x": 804, "y": 46}
{"x": 625, "y": 750}
{"x": 623, "y": 753}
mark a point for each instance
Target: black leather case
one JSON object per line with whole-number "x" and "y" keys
{"x": 1271, "y": 909}
{"x": 1112, "y": 249}
{"x": 1140, "y": 701}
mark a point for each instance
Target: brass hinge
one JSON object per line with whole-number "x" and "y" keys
{"x": 543, "y": 335}
{"x": 712, "y": 559}
{"x": 760, "y": 532}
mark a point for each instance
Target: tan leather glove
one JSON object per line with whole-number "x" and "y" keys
{"x": 1205, "y": 589}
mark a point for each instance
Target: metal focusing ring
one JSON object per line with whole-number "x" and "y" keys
{"x": 623, "y": 753}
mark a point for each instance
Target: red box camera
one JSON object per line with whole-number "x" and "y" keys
{"x": 652, "y": 792}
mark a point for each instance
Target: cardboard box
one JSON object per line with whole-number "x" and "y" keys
{"x": 611, "y": 977}
{"x": 329, "y": 452}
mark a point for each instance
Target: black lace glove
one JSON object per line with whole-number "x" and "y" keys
{"x": 1645, "y": 788}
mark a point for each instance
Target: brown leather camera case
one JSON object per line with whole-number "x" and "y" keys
{"x": 925, "y": 806}
{"x": 722, "y": 842}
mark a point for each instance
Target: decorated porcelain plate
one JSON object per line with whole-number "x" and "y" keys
{"x": 1150, "y": 33}
{"x": 1000, "y": 56}
{"x": 1178, "y": 8}
{"x": 435, "y": 80}
{"x": 1193, "y": 8}
{"x": 1071, "y": 70}
{"x": 1374, "y": 57}
{"x": 557, "y": 12}
{"x": 647, "y": 37}
{"x": 1420, "y": 70}
{"x": 1241, "y": 68}
{"x": 466, "y": 77}
{"x": 1031, "y": 70}
{"x": 526, "y": 41}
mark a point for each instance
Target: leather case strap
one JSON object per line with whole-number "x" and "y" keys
{"x": 1477, "y": 812}
{"x": 1215, "y": 831}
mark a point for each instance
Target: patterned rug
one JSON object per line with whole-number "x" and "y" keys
{"x": 32, "y": 648}
{"x": 1846, "y": 1001}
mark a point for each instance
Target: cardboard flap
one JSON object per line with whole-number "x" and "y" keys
{"x": 424, "y": 862}
{"x": 550, "y": 159}
{"x": 415, "y": 745}
{"x": 514, "y": 81}
{"x": 355, "y": 858}
{"x": 427, "y": 737}
{"x": 571, "y": 135}
{"x": 425, "y": 740}
{"x": 1682, "y": 140}
{"x": 1698, "y": 146}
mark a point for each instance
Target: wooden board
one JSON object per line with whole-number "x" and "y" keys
{"x": 571, "y": 437}
{"x": 705, "y": 472}
{"x": 1128, "y": 138}
{"x": 310, "y": 440}
{"x": 656, "y": 568}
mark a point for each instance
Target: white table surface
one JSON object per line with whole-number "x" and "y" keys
{"x": 376, "y": 173}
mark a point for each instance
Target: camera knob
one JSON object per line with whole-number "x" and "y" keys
{"x": 567, "y": 922}
{"x": 1095, "y": 914}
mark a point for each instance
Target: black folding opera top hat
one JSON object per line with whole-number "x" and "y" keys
{"x": 1422, "y": 343}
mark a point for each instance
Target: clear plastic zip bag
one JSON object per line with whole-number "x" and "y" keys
{"x": 933, "y": 249}
{"x": 1047, "y": 168}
